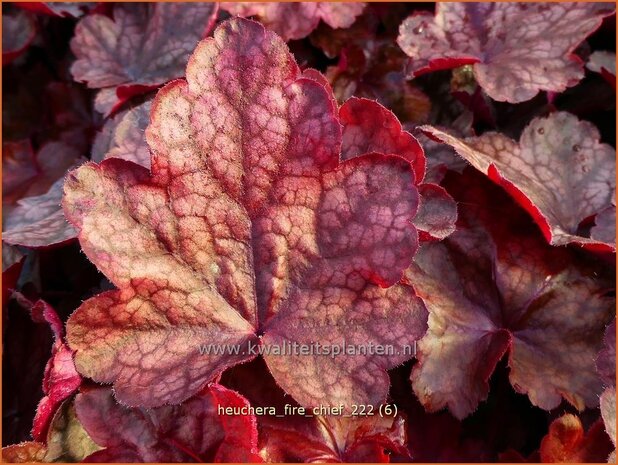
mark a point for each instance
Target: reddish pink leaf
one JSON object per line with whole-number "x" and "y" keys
{"x": 25, "y": 174}
{"x": 517, "y": 49}
{"x": 61, "y": 379}
{"x": 123, "y": 137}
{"x": 558, "y": 171}
{"x": 38, "y": 221}
{"x": 18, "y": 32}
{"x": 496, "y": 287}
{"x": 369, "y": 127}
{"x": 144, "y": 46}
{"x": 568, "y": 442}
{"x": 191, "y": 432}
{"x": 332, "y": 439}
{"x": 248, "y": 225}
{"x": 297, "y": 20}
{"x": 608, "y": 413}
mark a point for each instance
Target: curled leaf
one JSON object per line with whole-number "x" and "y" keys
{"x": 60, "y": 379}
{"x": 517, "y": 49}
{"x": 559, "y": 172}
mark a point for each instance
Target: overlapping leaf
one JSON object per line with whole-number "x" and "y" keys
{"x": 123, "y": 137}
{"x": 144, "y": 46}
{"x": 559, "y": 171}
{"x": 608, "y": 413}
{"x": 517, "y": 49}
{"x": 494, "y": 287}
{"x": 61, "y": 379}
{"x": 191, "y": 432}
{"x": 38, "y": 221}
{"x": 26, "y": 174}
{"x": 297, "y": 20}
{"x": 249, "y": 224}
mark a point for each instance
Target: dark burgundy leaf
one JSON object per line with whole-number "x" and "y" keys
{"x": 496, "y": 287}
{"x": 191, "y": 432}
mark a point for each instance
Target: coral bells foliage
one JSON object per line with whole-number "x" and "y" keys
{"x": 251, "y": 228}
{"x": 517, "y": 49}
{"x": 309, "y": 232}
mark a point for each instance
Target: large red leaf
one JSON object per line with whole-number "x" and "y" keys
{"x": 494, "y": 287}
{"x": 192, "y": 432}
{"x": 18, "y": 32}
{"x": 559, "y": 171}
{"x": 517, "y": 49}
{"x": 249, "y": 225}
{"x": 297, "y": 20}
{"x": 143, "y": 46}
{"x": 123, "y": 137}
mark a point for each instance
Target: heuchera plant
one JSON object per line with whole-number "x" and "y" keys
{"x": 309, "y": 232}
